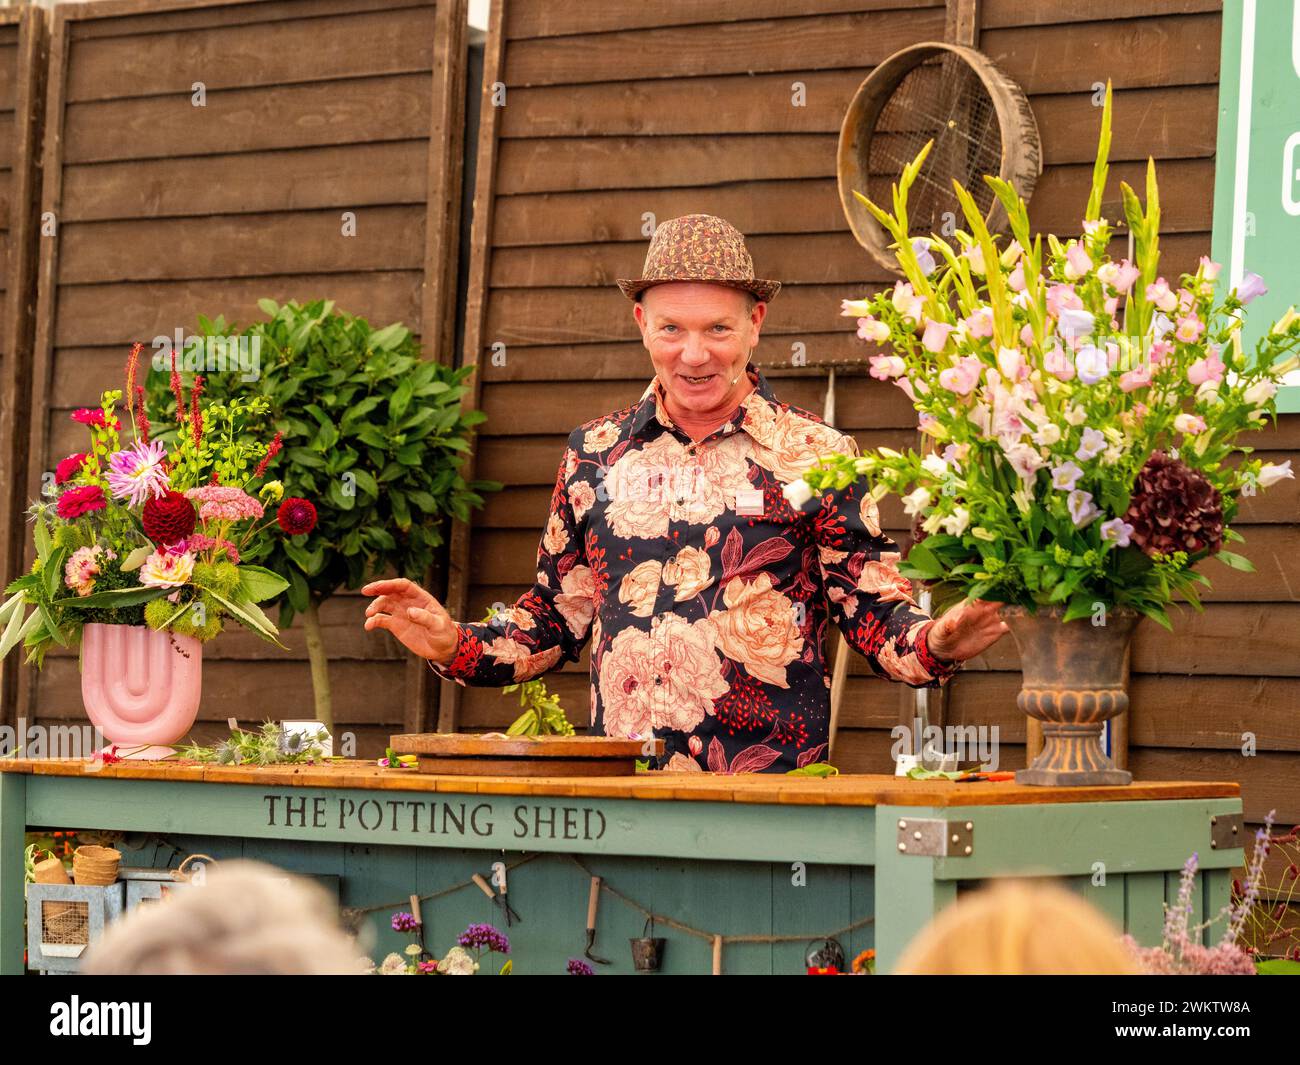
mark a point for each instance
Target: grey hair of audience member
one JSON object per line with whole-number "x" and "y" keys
{"x": 240, "y": 919}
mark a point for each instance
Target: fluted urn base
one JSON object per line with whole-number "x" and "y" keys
{"x": 1073, "y": 683}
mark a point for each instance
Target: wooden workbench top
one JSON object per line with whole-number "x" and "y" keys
{"x": 843, "y": 790}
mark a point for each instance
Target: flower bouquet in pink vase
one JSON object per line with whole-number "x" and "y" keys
{"x": 144, "y": 552}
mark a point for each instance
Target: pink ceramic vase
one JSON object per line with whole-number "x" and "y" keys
{"x": 140, "y": 686}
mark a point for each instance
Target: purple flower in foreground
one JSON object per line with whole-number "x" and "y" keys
{"x": 926, "y": 261}
{"x": 1065, "y": 476}
{"x": 485, "y": 937}
{"x": 1082, "y": 509}
{"x": 404, "y": 922}
{"x": 578, "y": 967}
{"x": 1117, "y": 529}
{"x": 1250, "y": 286}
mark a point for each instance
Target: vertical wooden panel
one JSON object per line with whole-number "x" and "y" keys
{"x": 25, "y": 30}
{"x": 169, "y": 206}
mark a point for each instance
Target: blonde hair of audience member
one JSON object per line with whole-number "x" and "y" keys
{"x": 1016, "y": 928}
{"x": 243, "y": 920}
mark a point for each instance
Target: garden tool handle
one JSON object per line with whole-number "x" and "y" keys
{"x": 484, "y": 887}
{"x": 592, "y": 899}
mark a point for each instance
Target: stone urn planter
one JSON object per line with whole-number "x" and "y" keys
{"x": 1073, "y": 682}
{"x": 141, "y": 687}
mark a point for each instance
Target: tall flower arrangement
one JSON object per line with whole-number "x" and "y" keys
{"x": 143, "y": 533}
{"x": 1083, "y": 410}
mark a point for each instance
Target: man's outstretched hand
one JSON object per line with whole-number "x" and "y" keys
{"x": 414, "y": 616}
{"x": 969, "y": 628}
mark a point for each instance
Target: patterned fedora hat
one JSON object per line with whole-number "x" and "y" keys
{"x": 699, "y": 247}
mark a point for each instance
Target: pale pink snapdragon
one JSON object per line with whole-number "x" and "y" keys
{"x": 1062, "y": 297}
{"x": 980, "y": 322}
{"x": 1209, "y": 268}
{"x": 1136, "y": 378}
{"x": 887, "y": 367}
{"x": 962, "y": 376}
{"x": 935, "y": 337}
{"x": 873, "y": 329}
{"x": 1160, "y": 351}
{"x": 1077, "y": 261}
{"x": 1210, "y": 368}
{"x": 1058, "y": 364}
{"x": 1159, "y": 293}
{"x": 1189, "y": 424}
{"x": 1189, "y": 329}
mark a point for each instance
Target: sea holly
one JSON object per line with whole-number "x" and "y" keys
{"x": 1081, "y": 412}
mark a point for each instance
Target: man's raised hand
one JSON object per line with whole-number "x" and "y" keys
{"x": 966, "y": 630}
{"x": 414, "y": 616}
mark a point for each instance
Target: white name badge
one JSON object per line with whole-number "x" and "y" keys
{"x": 749, "y": 502}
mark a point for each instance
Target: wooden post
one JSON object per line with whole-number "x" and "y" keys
{"x": 458, "y": 577}
{"x": 18, "y": 313}
{"x": 963, "y": 23}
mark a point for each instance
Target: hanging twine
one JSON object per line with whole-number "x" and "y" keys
{"x": 352, "y": 915}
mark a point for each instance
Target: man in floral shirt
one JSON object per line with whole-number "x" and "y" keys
{"x": 671, "y": 548}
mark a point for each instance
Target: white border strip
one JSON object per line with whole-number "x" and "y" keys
{"x": 1241, "y": 176}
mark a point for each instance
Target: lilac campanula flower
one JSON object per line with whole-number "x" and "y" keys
{"x": 921, "y": 246}
{"x": 1065, "y": 476}
{"x": 1250, "y": 287}
{"x": 1117, "y": 529}
{"x": 1081, "y": 507}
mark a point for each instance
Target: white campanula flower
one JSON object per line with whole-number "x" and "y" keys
{"x": 916, "y": 501}
{"x": 1270, "y": 473}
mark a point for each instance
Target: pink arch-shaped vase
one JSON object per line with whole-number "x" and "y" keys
{"x": 140, "y": 686}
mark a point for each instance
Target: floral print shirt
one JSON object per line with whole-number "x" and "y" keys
{"x": 704, "y": 594}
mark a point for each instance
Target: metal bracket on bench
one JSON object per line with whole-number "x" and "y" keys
{"x": 1226, "y": 831}
{"x": 931, "y": 837}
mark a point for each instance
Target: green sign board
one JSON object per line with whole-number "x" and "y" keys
{"x": 1257, "y": 165}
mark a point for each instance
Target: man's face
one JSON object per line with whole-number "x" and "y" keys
{"x": 699, "y": 337}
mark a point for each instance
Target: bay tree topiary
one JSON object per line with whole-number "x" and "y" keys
{"x": 370, "y": 434}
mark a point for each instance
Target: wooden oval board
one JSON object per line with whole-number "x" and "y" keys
{"x": 465, "y": 754}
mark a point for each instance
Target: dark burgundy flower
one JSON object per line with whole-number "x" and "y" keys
{"x": 1174, "y": 508}
{"x": 68, "y": 468}
{"x": 296, "y": 516}
{"x": 168, "y": 518}
{"x": 78, "y": 501}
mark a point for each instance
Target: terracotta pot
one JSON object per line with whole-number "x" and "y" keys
{"x": 1074, "y": 680}
{"x": 95, "y": 865}
{"x": 140, "y": 686}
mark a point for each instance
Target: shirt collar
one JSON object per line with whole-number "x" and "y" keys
{"x": 650, "y": 408}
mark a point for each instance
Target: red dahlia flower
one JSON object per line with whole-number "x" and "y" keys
{"x": 78, "y": 501}
{"x": 67, "y": 469}
{"x": 296, "y": 516}
{"x": 168, "y": 518}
